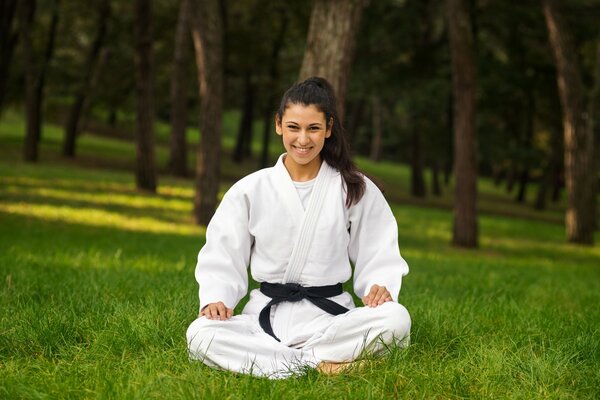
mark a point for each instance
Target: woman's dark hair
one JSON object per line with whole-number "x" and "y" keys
{"x": 318, "y": 92}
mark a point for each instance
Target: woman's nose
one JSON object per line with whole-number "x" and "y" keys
{"x": 303, "y": 137}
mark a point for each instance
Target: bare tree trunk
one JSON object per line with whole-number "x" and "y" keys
{"x": 355, "y": 118}
{"x": 8, "y": 41}
{"x": 376, "y": 140}
{"x": 271, "y": 103}
{"x": 244, "y": 136}
{"x": 145, "y": 166}
{"x": 207, "y": 34}
{"x": 511, "y": 174}
{"x": 436, "y": 188}
{"x": 72, "y": 127}
{"x": 594, "y": 131}
{"x": 330, "y": 43}
{"x": 178, "y": 149}
{"x": 578, "y": 140}
{"x": 35, "y": 82}
{"x": 463, "y": 81}
{"x": 26, "y": 14}
{"x": 417, "y": 180}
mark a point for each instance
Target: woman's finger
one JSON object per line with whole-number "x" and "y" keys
{"x": 222, "y": 311}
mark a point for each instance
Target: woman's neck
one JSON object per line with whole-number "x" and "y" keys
{"x": 300, "y": 172}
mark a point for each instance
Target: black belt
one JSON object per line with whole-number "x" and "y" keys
{"x": 280, "y": 292}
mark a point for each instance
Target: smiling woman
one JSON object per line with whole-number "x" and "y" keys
{"x": 300, "y": 226}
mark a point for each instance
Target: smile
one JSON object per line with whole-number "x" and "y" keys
{"x": 302, "y": 150}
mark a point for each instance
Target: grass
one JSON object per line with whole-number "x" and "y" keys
{"x": 97, "y": 291}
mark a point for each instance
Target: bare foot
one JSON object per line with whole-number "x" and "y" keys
{"x": 335, "y": 368}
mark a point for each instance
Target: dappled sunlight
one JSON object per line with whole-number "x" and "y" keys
{"x": 103, "y": 198}
{"x": 99, "y": 218}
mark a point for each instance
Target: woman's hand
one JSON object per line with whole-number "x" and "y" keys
{"x": 217, "y": 311}
{"x": 377, "y": 296}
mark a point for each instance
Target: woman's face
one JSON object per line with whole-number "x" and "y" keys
{"x": 303, "y": 130}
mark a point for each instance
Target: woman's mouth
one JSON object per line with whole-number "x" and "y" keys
{"x": 302, "y": 150}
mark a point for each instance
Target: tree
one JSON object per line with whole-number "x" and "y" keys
{"x": 330, "y": 43}
{"x": 178, "y": 157}
{"x": 8, "y": 41}
{"x": 463, "y": 82}
{"x": 35, "y": 81}
{"x": 92, "y": 66}
{"x": 578, "y": 138}
{"x": 208, "y": 41}
{"x": 145, "y": 172}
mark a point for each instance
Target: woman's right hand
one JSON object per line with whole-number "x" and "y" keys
{"x": 217, "y": 311}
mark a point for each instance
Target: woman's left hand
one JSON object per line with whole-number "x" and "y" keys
{"x": 377, "y": 296}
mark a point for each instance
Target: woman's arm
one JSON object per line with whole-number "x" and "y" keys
{"x": 222, "y": 265}
{"x": 374, "y": 249}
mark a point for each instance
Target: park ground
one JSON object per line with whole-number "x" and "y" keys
{"x": 97, "y": 289}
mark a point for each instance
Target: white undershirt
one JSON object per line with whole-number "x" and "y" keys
{"x": 304, "y": 190}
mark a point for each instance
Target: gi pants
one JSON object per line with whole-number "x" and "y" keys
{"x": 240, "y": 344}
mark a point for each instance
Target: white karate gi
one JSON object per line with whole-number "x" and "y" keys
{"x": 256, "y": 225}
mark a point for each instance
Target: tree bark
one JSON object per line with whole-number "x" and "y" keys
{"x": 594, "y": 131}
{"x": 145, "y": 166}
{"x": 178, "y": 148}
{"x": 72, "y": 127}
{"x": 207, "y": 34}
{"x": 417, "y": 180}
{"x": 35, "y": 82}
{"x": 8, "y": 41}
{"x": 330, "y": 43}
{"x": 26, "y": 14}
{"x": 377, "y": 134}
{"x": 463, "y": 83}
{"x": 436, "y": 188}
{"x": 578, "y": 142}
{"x": 244, "y": 137}
{"x": 271, "y": 103}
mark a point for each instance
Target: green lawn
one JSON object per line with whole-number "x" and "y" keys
{"x": 97, "y": 290}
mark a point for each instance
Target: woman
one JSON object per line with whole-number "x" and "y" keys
{"x": 298, "y": 225}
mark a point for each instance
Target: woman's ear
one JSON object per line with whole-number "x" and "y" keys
{"x": 278, "y": 128}
{"x": 329, "y": 128}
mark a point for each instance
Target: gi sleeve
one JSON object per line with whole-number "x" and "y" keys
{"x": 222, "y": 265}
{"x": 373, "y": 246}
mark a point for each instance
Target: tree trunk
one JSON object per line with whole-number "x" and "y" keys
{"x": 244, "y": 136}
{"x": 540, "y": 201}
{"x": 26, "y": 14}
{"x": 207, "y": 36}
{"x": 417, "y": 180}
{"x": 8, "y": 41}
{"x": 72, "y": 127}
{"x": 436, "y": 188}
{"x": 523, "y": 181}
{"x": 355, "y": 118}
{"x": 557, "y": 183}
{"x": 463, "y": 82}
{"x": 35, "y": 82}
{"x": 271, "y": 103}
{"x": 510, "y": 177}
{"x": 41, "y": 80}
{"x": 178, "y": 149}
{"x": 145, "y": 166}
{"x": 376, "y": 140}
{"x": 578, "y": 140}
{"x": 330, "y": 43}
{"x": 594, "y": 131}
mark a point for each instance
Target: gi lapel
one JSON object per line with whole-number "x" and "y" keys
{"x": 288, "y": 192}
{"x": 309, "y": 223}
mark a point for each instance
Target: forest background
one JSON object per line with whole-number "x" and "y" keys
{"x": 478, "y": 116}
